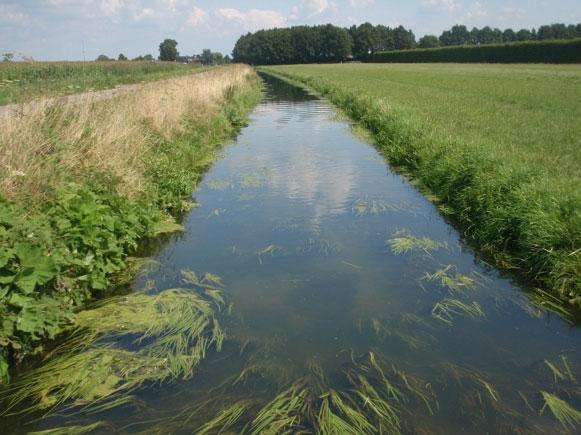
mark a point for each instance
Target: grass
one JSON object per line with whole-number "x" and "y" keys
{"x": 497, "y": 144}
{"x": 24, "y": 81}
{"x": 82, "y": 184}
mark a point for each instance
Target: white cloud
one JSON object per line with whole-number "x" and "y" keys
{"x": 443, "y": 5}
{"x": 197, "y": 16}
{"x": 173, "y": 5}
{"x": 9, "y": 15}
{"x": 61, "y": 3}
{"x": 477, "y": 11}
{"x": 111, "y": 7}
{"x": 254, "y": 19}
{"x": 359, "y": 4}
{"x": 145, "y": 13}
{"x": 315, "y": 8}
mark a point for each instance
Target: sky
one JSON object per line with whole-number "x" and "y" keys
{"x": 77, "y": 29}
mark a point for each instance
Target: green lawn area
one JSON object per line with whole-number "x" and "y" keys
{"x": 500, "y": 145}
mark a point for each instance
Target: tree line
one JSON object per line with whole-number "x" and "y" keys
{"x": 460, "y": 35}
{"x": 329, "y": 43}
{"x": 168, "y": 52}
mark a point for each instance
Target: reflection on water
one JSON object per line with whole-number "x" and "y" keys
{"x": 347, "y": 288}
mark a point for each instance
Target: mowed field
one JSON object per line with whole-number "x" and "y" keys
{"x": 500, "y": 145}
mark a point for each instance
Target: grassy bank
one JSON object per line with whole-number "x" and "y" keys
{"x": 82, "y": 184}
{"x": 497, "y": 146}
{"x": 24, "y": 81}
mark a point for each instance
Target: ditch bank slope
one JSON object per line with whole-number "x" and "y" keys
{"x": 82, "y": 183}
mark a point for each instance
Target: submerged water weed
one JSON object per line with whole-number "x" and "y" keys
{"x": 255, "y": 180}
{"x": 70, "y": 430}
{"x": 167, "y": 226}
{"x": 446, "y": 309}
{"x": 319, "y": 247}
{"x": 454, "y": 282}
{"x": 568, "y": 416}
{"x": 373, "y": 207}
{"x": 173, "y": 331}
{"x": 271, "y": 250}
{"x": 561, "y": 374}
{"x": 227, "y": 418}
{"x": 285, "y": 413}
{"x": 552, "y": 303}
{"x": 219, "y": 184}
{"x": 401, "y": 242}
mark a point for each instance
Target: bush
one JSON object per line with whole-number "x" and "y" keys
{"x": 519, "y": 52}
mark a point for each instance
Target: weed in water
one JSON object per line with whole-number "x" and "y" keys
{"x": 219, "y": 184}
{"x": 568, "y": 416}
{"x": 446, "y": 309}
{"x": 173, "y": 332}
{"x": 401, "y": 242}
{"x": 454, "y": 282}
{"x": 271, "y": 250}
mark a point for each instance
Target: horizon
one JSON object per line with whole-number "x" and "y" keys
{"x": 84, "y": 29}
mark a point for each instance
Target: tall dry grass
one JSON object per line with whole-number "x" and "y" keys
{"x": 57, "y": 140}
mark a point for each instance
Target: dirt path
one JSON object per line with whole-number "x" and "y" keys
{"x": 105, "y": 94}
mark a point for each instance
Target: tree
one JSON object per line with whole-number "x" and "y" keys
{"x": 122, "y": 57}
{"x": 404, "y": 39}
{"x": 7, "y": 57}
{"x": 458, "y": 35}
{"x": 524, "y": 35}
{"x": 102, "y": 58}
{"x": 429, "y": 41}
{"x": 148, "y": 57}
{"x": 168, "y": 50}
{"x": 508, "y": 35}
{"x": 227, "y": 59}
{"x": 365, "y": 40}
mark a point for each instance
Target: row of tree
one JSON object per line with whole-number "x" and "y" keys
{"x": 460, "y": 35}
{"x": 300, "y": 44}
{"x": 168, "y": 53}
{"x": 328, "y": 43}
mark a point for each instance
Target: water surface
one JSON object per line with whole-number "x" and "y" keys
{"x": 297, "y": 219}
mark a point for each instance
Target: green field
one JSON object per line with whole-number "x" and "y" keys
{"x": 24, "y": 81}
{"x": 499, "y": 145}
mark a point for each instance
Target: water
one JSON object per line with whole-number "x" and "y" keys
{"x": 296, "y": 219}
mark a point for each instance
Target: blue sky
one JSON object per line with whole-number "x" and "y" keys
{"x": 57, "y": 29}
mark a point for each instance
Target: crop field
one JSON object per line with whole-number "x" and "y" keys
{"x": 499, "y": 146}
{"x": 24, "y": 81}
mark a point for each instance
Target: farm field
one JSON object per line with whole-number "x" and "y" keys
{"x": 499, "y": 145}
{"x": 24, "y": 81}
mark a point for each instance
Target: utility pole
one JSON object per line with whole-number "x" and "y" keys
{"x": 83, "y": 44}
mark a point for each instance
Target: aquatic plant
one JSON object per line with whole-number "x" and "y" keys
{"x": 568, "y": 416}
{"x": 226, "y": 418}
{"x": 563, "y": 374}
{"x": 453, "y": 281}
{"x": 446, "y": 309}
{"x": 255, "y": 179}
{"x": 70, "y": 430}
{"x": 374, "y": 207}
{"x": 218, "y": 184}
{"x": 172, "y": 332}
{"x": 285, "y": 413}
{"x": 271, "y": 250}
{"x": 401, "y": 242}
{"x": 319, "y": 246}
